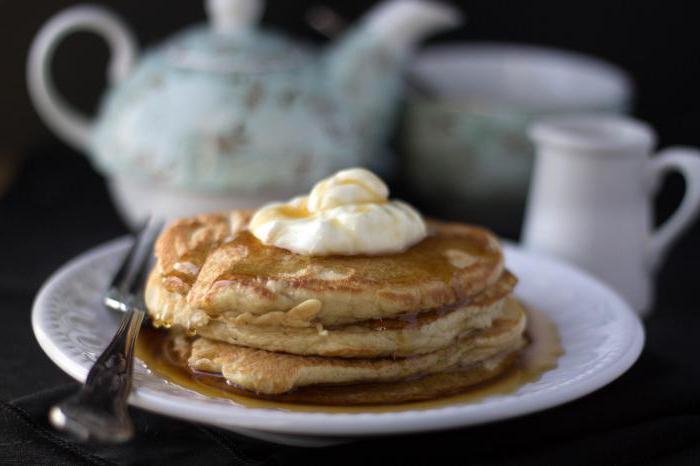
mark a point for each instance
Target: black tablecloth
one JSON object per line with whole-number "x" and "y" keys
{"x": 58, "y": 207}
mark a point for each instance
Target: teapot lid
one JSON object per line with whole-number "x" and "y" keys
{"x": 232, "y": 43}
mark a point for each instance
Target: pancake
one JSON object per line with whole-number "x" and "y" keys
{"x": 273, "y": 373}
{"x": 428, "y": 321}
{"x": 429, "y": 387}
{"x": 217, "y": 267}
{"x": 407, "y": 334}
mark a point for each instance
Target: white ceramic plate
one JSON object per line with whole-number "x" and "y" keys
{"x": 601, "y": 336}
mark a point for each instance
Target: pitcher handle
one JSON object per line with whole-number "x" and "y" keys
{"x": 68, "y": 123}
{"x": 686, "y": 161}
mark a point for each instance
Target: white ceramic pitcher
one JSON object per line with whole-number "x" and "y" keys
{"x": 590, "y": 199}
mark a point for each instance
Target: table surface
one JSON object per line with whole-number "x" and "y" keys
{"x": 57, "y": 207}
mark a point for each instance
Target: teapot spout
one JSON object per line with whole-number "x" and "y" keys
{"x": 401, "y": 24}
{"x": 365, "y": 67}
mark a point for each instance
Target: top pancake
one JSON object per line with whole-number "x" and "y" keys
{"x": 219, "y": 267}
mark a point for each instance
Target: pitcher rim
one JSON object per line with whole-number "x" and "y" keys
{"x": 593, "y": 133}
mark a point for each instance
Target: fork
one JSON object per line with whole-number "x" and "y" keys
{"x": 99, "y": 409}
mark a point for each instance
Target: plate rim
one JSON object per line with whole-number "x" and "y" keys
{"x": 351, "y": 424}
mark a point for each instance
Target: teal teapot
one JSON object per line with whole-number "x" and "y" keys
{"x": 228, "y": 112}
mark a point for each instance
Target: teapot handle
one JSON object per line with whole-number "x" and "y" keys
{"x": 71, "y": 125}
{"x": 686, "y": 161}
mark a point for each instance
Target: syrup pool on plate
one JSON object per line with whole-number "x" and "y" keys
{"x": 154, "y": 348}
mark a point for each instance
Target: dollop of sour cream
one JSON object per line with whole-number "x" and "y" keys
{"x": 348, "y": 213}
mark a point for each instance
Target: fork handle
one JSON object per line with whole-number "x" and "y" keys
{"x": 99, "y": 409}
{"x": 111, "y": 374}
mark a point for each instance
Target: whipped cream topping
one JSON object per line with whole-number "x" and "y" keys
{"x": 348, "y": 213}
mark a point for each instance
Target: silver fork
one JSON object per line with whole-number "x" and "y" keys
{"x": 99, "y": 409}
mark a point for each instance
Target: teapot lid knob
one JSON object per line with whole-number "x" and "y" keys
{"x": 231, "y": 16}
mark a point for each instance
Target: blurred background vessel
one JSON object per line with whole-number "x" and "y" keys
{"x": 466, "y": 140}
{"x": 229, "y": 114}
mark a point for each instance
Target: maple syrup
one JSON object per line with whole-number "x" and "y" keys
{"x": 155, "y": 350}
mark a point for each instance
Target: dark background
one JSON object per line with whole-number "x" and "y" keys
{"x": 54, "y": 206}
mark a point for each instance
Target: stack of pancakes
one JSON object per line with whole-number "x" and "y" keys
{"x": 276, "y": 324}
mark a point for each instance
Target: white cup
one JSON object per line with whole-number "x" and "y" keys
{"x": 590, "y": 199}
